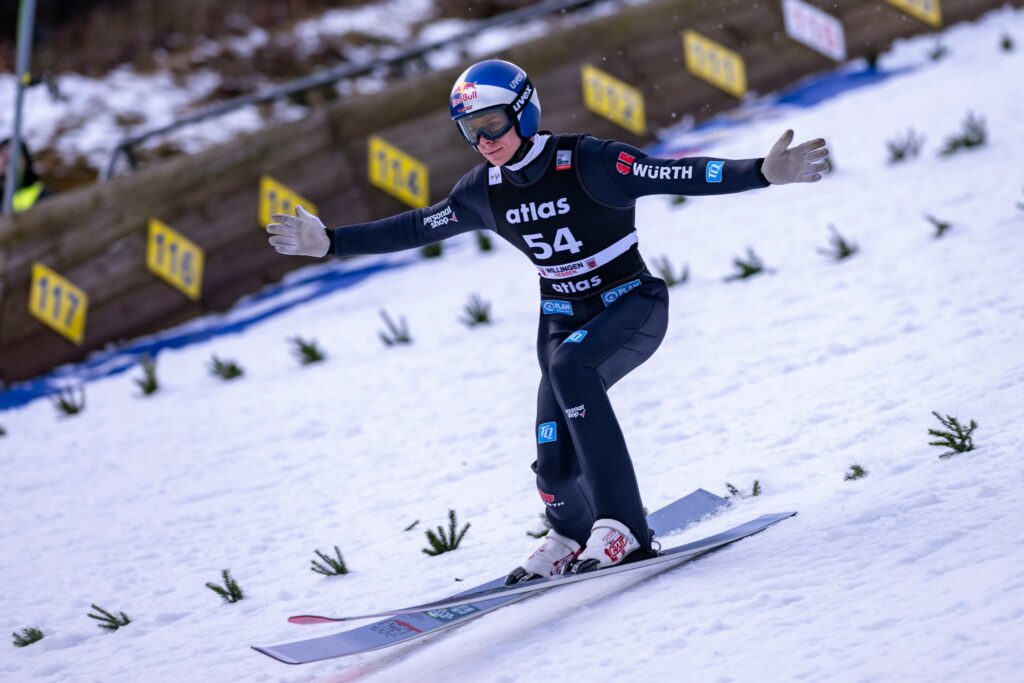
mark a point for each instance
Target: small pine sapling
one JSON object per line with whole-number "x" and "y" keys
{"x": 839, "y": 248}
{"x": 938, "y": 52}
{"x": 856, "y": 472}
{"x": 432, "y": 250}
{"x": 226, "y": 370}
{"x": 973, "y": 134}
{"x": 412, "y": 526}
{"x": 331, "y": 566}
{"x": 476, "y": 312}
{"x": 734, "y": 492}
{"x": 68, "y": 403}
{"x": 27, "y": 637}
{"x": 749, "y": 268}
{"x": 677, "y": 199}
{"x": 1006, "y": 43}
{"x": 307, "y": 352}
{"x": 442, "y": 542}
{"x": 1020, "y": 205}
{"x": 871, "y": 56}
{"x": 904, "y": 149}
{"x": 108, "y": 621}
{"x": 483, "y": 241}
{"x": 230, "y": 591}
{"x": 544, "y": 531}
{"x": 956, "y": 436}
{"x": 148, "y": 383}
{"x": 396, "y": 334}
{"x": 667, "y": 273}
{"x": 941, "y": 227}
{"x": 3, "y": 432}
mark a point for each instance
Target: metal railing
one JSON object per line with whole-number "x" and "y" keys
{"x": 331, "y": 76}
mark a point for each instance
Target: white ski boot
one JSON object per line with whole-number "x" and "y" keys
{"x": 609, "y": 544}
{"x": 549, "y": 559}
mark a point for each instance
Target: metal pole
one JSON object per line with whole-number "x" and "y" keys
{"x": 26, "y": 20}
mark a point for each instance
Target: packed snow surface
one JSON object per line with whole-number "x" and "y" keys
{"x": 912, "y": 573}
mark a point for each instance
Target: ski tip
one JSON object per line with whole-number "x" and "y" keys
{"x": 309, "y": 619}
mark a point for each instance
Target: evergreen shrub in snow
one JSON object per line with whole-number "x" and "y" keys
{"x": 483, "y": 241}
{"x": 544, "y": 531}
{"x": 307, "y": 352}
{"x": 330, "y": 566}
{"x": 396, "y": 334}
{"x": 3, "y": 432}
{"x": 956, "y": 436}
{"x": 938, "y": 52}
{"x": 108, "y": 622}
{"x": 442, "y": 542}
{"x": 839, "y": 248}
{"x": 226, "y": 370}
{"x": 972, "y": 134}
{"x": 148, "y": 384}
{"x": 230, "y": 591}
{"x": 68, "y": 403}
{"x": 904, "y": 149}
{"x": 1006, "y": 43}
{"x": 476, "y": 312}
{"x": 749, "y": 268}
{"x": 734, "y": 492}
{"x": 856, "y": 472}
{"x": 432, "y": 250}
{"x": 940, "y": 226}
{"x": 27, "y": 637}
{"x": 667, "y": 273}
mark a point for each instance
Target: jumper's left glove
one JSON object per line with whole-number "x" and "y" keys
{"x": 803, "y": 164}
{"x": 301, "y": 235}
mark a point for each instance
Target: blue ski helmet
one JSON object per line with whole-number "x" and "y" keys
{"x": 494, "y": 86}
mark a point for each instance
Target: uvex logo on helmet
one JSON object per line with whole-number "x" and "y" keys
{"x": 524, "y": 97}
{"x": 461, "y": 94}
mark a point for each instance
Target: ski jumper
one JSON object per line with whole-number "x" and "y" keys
{"x": 569, "y": 207}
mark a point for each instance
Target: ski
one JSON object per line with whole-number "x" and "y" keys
{"x": 385, "y": 633}
{"x": 679, "y": 554}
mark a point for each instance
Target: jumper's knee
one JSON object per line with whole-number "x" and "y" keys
{"x": 569, "y": 375}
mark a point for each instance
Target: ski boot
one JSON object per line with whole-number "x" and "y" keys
{"x": 610, "y": 543}
{"x": 548, "y": 560}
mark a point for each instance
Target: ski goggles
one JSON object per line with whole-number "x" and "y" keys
{"x": 490, "y": 123}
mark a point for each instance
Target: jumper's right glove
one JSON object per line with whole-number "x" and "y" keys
{"x": 301, "y": 235}
{"x": 802, "y": 164}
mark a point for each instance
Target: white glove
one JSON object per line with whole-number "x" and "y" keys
{"x": 301, "y": 235}
{"x": 802, "y": 164}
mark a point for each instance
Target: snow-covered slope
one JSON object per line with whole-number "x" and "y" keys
{"x": 912, "y": 573}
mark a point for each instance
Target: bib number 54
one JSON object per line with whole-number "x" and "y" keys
{"x": 564, "y": 241}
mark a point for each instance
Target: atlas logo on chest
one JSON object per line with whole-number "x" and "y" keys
{"x": 534, "y": 211}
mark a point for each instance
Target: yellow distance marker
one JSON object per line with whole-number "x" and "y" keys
{"x": 58, "y": 303}
{"x": 276, "y": 197}
{"x": 175, "y": 259}
{"x": 928, "y": 11}
{"x": 715, "y": 63}
{"x": 398, "y": 173}
{"x": 615, "y": 100}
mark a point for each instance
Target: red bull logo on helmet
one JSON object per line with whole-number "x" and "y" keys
{"x": 462, "y": 94}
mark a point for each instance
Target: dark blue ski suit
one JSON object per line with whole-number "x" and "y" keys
{"x": 570, "y": 209}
